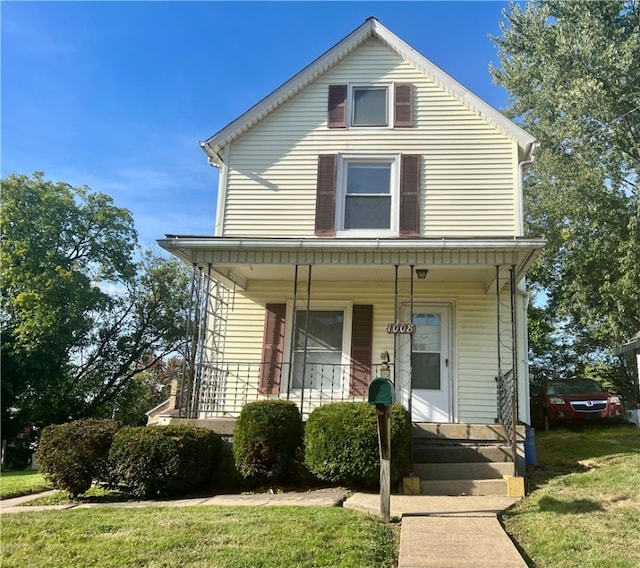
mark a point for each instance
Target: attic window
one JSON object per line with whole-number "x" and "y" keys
{"x": 370, "y": 106}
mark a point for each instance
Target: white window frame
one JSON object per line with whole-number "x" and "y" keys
{"x": 341, "y": 193}
{"x": 351, "y": 105}
{"x": 345, "y": 360}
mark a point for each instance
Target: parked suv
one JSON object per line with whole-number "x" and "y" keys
{"x": 574, "y": 400}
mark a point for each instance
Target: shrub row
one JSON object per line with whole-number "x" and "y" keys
{"x": 271, "y": 444}
{"x": 146, "y": 461}
{"x": 267, "y": 441}
{"x": 72, "y": 455}
{"x": 151, "y": 461}
{"x": 339, "y": 443}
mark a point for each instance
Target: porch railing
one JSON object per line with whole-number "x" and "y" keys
{"x": 508, "y": 411}
{"x": 222, "y": 390}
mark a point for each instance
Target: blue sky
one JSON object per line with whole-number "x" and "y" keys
{"x": 117, "y": 95}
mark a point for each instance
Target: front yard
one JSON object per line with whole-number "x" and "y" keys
{"x": 196, "y": 536}
{"x": 583, "y": 512}
{"x": 585, "y": 509}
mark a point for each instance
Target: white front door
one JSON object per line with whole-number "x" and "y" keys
{"x": 430, "y": 365}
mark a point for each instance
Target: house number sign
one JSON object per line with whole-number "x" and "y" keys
{"x": 401, "y": 328}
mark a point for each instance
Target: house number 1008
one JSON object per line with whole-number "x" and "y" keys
{"x": 401, "y": 328}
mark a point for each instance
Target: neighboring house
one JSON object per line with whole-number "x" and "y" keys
{"x": 370, "y": 189}
{"x": 630, "y": 354}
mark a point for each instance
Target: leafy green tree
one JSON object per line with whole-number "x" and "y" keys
{"x": 573, "y": 73}
{"x": 146, "y": 390}
{"x": 78, "y": 313}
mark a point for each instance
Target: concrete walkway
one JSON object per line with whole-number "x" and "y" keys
{"x": 448, "y": 532}
{"x": 437, "y": 532}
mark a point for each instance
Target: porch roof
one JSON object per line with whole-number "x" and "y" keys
{"x": 243, "y": 259}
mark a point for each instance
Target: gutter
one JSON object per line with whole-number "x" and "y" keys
{"x": 228, "y": 243}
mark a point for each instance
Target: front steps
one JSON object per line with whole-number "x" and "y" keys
{"x": 463, "y": 459}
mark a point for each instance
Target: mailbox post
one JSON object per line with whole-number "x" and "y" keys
{"x": 381, "y": 394}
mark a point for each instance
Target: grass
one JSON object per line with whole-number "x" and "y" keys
{"x": 584, "y": 510}
{"x": 197, "y": 536}
{"x": 18, "y": 483}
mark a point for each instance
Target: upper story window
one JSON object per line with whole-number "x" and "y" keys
{"x": 385, "y": 105}
{"x": 369, "y": 106}
{"x": 368, "y": 195}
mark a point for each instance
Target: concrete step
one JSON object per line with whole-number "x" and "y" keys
{"x": 464, "y": 487}
{"x": 423, "y": 452}
{"x": 477, "y": 432}
{"x": 463, "y": 471}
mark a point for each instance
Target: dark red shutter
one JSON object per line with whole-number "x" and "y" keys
{"x": 361, "y": 337}
{"x": 410, "y": 196}
{"x": 272, "y": 348}
{"x": 337, "y": 115}
{"x": 403, "y": 114}
{"x": 326, "y": 195}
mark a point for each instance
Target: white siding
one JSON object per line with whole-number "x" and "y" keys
{"x": 474, "y": 359}
{"x": 469, "y": 168}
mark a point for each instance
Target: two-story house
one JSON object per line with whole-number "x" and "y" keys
{"x": 369, "y": 222}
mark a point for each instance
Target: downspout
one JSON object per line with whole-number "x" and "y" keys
{"x": 529, "y": 158}
{"x": 220, "y": 162}
{"x": 222, "y": 193}
{"x": 522, "y": 285}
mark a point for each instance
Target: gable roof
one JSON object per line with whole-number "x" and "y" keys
{"x": 214, "y": 145}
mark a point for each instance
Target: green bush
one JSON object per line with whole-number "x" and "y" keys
{"x": 341, "y": 443}
{"x": 267, "y": 441}
{"x": 153, "y": 461}
{"x": 74, "y": 454}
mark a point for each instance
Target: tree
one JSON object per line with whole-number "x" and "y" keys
{"x": 573, "y": 73}
{"x": 146, "y": 390}
{"x": 78, "y": 313}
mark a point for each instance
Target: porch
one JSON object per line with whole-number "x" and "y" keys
{"x": 475, "y": 283}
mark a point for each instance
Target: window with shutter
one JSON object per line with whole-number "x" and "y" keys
{"x": 361, "y": 340}
{"x": 332, "y": 348}
{"x": 371, "y": 106}
{"x": 326, "y": 195}
{"x": 403, "y": 112}
{"x": 337, "y": 106}
{"x": 410, "y": 196}
{"x": 377, "y": 195}
{"x": 272, "y": 348}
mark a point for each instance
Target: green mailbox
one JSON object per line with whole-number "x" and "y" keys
{"x": 381, "y": 392}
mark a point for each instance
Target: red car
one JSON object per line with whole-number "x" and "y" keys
{"x": 574, "y": 401}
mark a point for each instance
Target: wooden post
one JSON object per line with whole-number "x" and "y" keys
{"x": 383, "y": 413}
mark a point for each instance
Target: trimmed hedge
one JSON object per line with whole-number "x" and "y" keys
{"x": 341, "y": 443}
{"x": 267, "y": 441}
{"x": 152, "y": 461}
{"x": 74, "y": 454}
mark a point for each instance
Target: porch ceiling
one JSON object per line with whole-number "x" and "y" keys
{"x": 458, "y": 260}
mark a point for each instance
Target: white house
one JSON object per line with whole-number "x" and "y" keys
{"x": 369, "y": 221}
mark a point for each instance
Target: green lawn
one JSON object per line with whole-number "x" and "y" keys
{"x": 585, "y": 509}
{"x": 17, "y": 483}
{"x": 196, "y": 536}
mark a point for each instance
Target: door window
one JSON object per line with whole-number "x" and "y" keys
{"x": 427, "y": 352}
